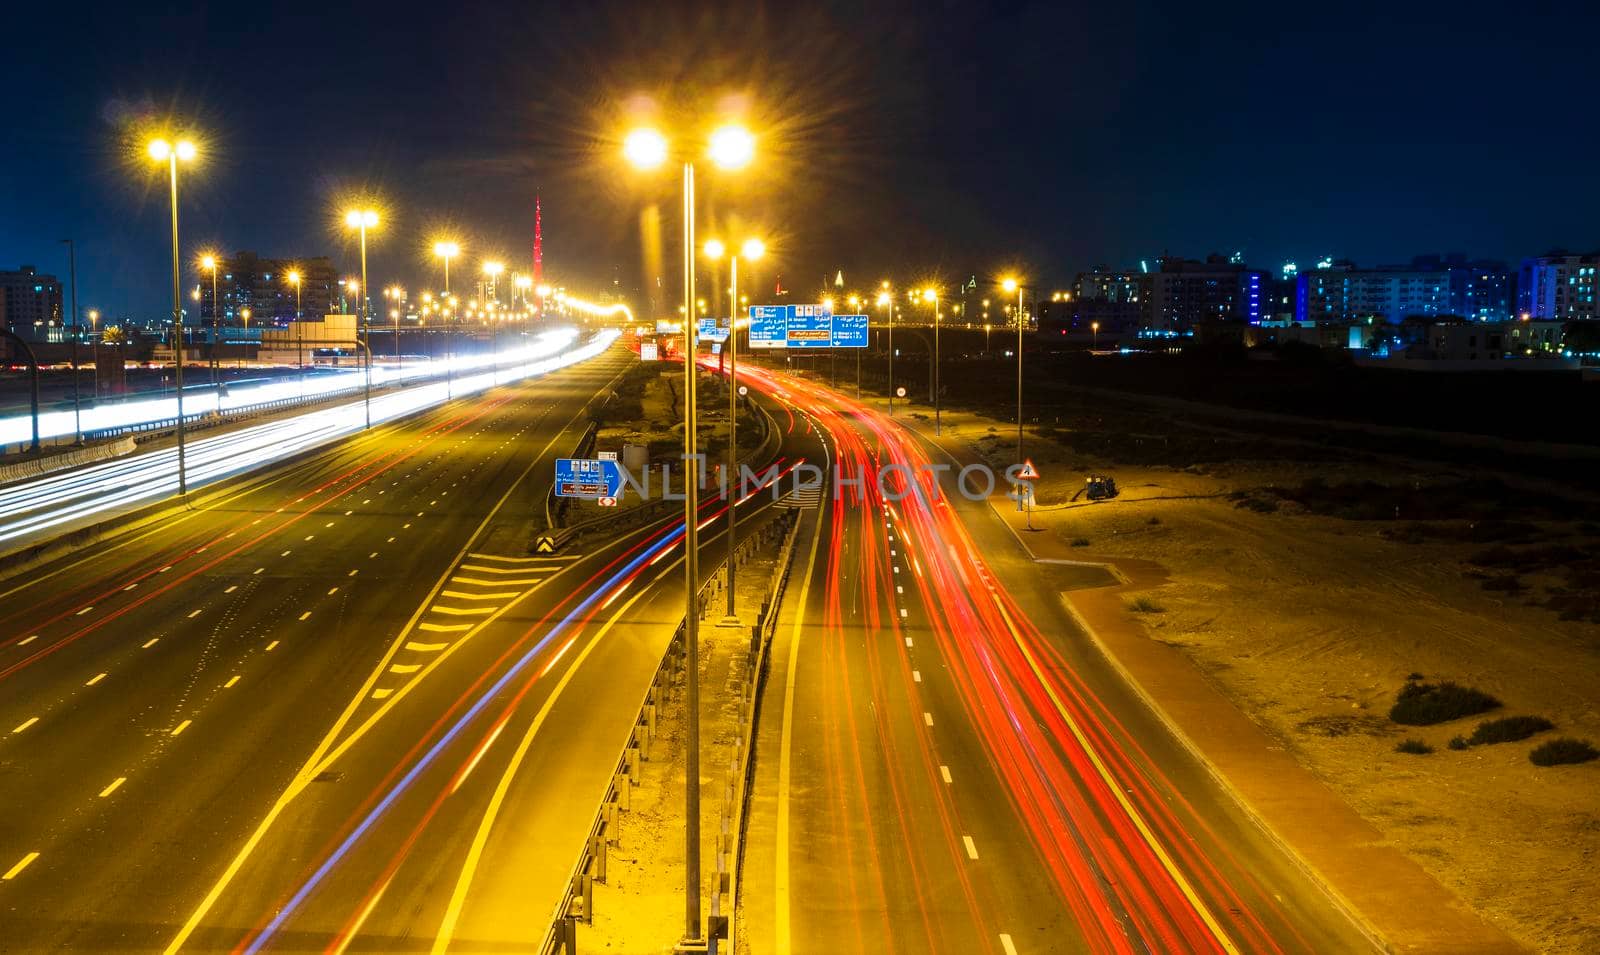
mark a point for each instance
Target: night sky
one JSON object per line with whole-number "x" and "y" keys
{"x": 920, "y": 140}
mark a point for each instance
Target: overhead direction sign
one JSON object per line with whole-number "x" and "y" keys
{"x": 712, "y": 330}
{"x": 588, "y": 477}
{"x": 849, "y": 331}
{"x": 769, "y": 326}
{"x": 810, "y": 326}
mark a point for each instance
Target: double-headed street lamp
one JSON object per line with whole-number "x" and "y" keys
{"x": 161, "y": 150}
{"x": 752, "y": 250}
{"x": 730, "y": 147}
{"x": 446, "y": 251}
{"x": 362, "y": 220}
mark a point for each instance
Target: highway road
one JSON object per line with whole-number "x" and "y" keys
{"x": 945, "y": 764}
{"x": 159, "y": 691}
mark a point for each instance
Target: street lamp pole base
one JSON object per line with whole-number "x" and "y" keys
{"x": 731, "y": 620}
{"x": 692, "y": 945}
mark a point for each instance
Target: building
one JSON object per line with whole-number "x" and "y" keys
{"x": 330, "y": 340}
{"x": 1106, "y": 301}
{"x": 30, "y": 303}
{"x": 1431, "y": 286}
{"x": 246, "y": 280}
{"x": 1558, "y": 287}
{"x": 1184, "y": 294}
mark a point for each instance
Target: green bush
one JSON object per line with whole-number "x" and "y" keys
{"x": 1459, "y": 742}
{"x": 1508, "y": 729}
{"x": 1424, "y": 704}
{"x": 1563, "y": 751}
{"x": 1145, "y": 605}
{"x": 1415, "y": 747}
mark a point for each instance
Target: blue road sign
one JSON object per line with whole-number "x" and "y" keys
{"x": 710, "y": 330}
{"x": 810, "y": 326}
{"x": 587, "y": 477}
{"x": 769, "y": 326}
{"x": 849, "y": 331}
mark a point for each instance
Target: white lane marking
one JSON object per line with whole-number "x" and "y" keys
{"x": 271, "y": 646}
{"x": 444, "y": 627}
{"x": 899, "y": 589}
{"x": 927, "y": 717}
{"x": 149, "y": 643}
{"x": 916, "y": 676}
{"x": 380, "y": 694}
{"x": 84, "y": 611}
{"x": 945, "y": 772}
{"x": 181, "y": 727}
{"x": 1007, "y": 944}
{"x": 311, "y": 537}
{"x": 972, "y": 847}
{"x": 902, "y": 611}
{"x": 27, "y": 640}
{"x": 231, "y": 681}
{"x": 479, "y": 568}
{"x": 353, "y": 572}
{"x": 286, "y": 553}
{"x": 332, "y": 591}
{"x": 462, "y": 595}
{"x": 16, "y": 870}
{"x": 509, "y": 560}
{"x": 897, "y": 570}
{"x": 231, "y": 589}
{"x": 480, "y": 582}
{"x": 346, "y": 514}
{"x": 129, "y": 587}
{"x": 372, "y": 555}
{"x": 908, "y": 641}
{"x": 95, "y": 679}
{"x": 306, "y": 615}
{"x": 257, "y": 571}
{"x": 425, "y": 647}
{"x": 25, "y": 724}
{"x": 463, "y": 611}
{"x": 330, "y": 523}
{"x": 367, "y": 501}
{"x": 164, "y": 569}
{"x": 406, "y": 526}
{"x": 404, "y": 668}
{"x": 193, "y": 614}
{"x": 113, "y": 787}
{"x": 389, "y": 541}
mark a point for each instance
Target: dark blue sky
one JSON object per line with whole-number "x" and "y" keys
{"x": 922, "y": 139}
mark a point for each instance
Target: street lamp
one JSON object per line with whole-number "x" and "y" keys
{"x": 886, "y": 301}
{"x": 299, "y": 330}
{"x": 932, "y": 295}
{"x": 730, "y": 147}
{"x": 94, "y": 345}
{"x": 446, "y": 251}
{"x": 1012, "y": 285}
{"x": 244, "y": 313}
{"x": 523, "y": 283}
{"x": 362, "y": 220}
{"x": 855, "y": 303}
{"x": 209, "y": 262}
{"x": 493, "y": 270}
{"x": 752, "y": 249}
{"x": 77, "y": 404}
{"x": 162, "y": 151}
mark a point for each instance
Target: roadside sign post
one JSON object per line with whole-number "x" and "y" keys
{"x": 1028, "y": 474}
{"x": 592, "y": 478}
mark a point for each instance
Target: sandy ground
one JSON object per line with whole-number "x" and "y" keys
{"x": 1310, "y": 624}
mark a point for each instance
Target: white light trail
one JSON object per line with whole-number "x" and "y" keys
{"x": 36, "y": 506}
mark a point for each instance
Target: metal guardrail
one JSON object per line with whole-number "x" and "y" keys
{"x": 577, "y": 903}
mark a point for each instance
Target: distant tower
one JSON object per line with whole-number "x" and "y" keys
{"x": 538, "y": 243}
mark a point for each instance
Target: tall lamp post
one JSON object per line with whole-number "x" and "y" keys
{"x": 752, "y": 250}
{"x": 162, "y": 151}
{"x": 299, "y": 330}
{"x": 77, "y": 405}
{"x": 209, "y": 263}
{"x": 94, "y": 350}
{"x": 886, "y": 301}
{"x": 1012, "y": 285}
{"x": 730, "y": 147}
{"x": 362, "y": 220}
{"x": 932, "y": 295}
{"x": 244, "y": 314}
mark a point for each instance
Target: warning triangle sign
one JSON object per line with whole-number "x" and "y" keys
{"x": 1028, "y": 472}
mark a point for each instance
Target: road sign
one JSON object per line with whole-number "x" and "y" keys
{"x": 900, "y": 392}
{"x": 606, "y": 455}
{"x": 743, "y": 390}
{"x": 647, "y": 351}
{"x": 810, "y": 326}
{"x": 1028, "y": 472}
{"x": 716, "y": 348}
{"x": 587, "y": 477}
{"x": 608, "y": 502}
{"x": 711, "y": 330}
{"x": 849, "y": 331}
{"x": 768, "y": 326}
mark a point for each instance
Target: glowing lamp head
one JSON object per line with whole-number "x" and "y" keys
{"x": 1010, "y": 285}
{"x": 446, "y": 250}
{"x": 293, "y": 277}
{"x": 931, "y": 294}
{"x": 361, "y": 218}
{"x": 732, "y": 147}
{"x": 644, "y": 148}
{"x": 524, "y": 282}
{"x": 160, "y": 150}
{"x": 493, "y": 268}
{"x": 543, "y": 291}
{"x": 714, "y": 249}
{"x": 827, "y": 303}
{"x": 884, "y": 299}
{"x": 753, "y": 249}
{"x": 208, "y": 262}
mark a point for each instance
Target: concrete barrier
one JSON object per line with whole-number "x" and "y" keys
{"x": 90, "y": 454}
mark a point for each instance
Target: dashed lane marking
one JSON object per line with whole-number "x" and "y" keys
{"x": 425, "y": 647}
{"x": 462, "y": 611}
{"x": 25, "y": 724}
{"x": 150, "y": 643}
{"x": 927, "y": 718}
{"x": 404, "y": 668}
{"x": 181, "y": 727}
{"x": 972, "y": 847}
{"x": 16, "y": 870}
{"x": 231, "y": 681}
{"x": 95, "y": 679}
{"x": 115, "y": 783}
{"x": 945, "y": 772}
{"x": 444, "y": 627}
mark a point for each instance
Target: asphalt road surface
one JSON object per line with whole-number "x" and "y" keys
{"x": 945, "y": 764}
